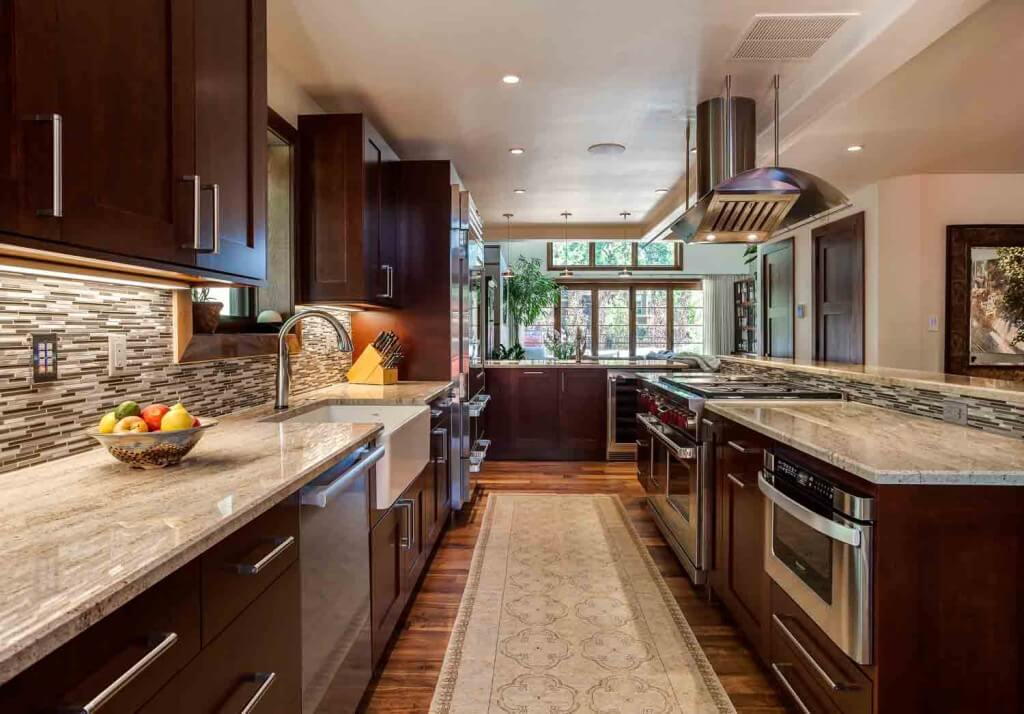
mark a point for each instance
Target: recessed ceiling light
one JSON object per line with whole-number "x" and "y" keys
{"x": 752, "y": 236}
{"x": 519, "y": 190}
{"x": 710, "y": 236}
{"x": 517, "y": 150}
{"x": 607, "y": 148}
{"x": 853, "y": 148}
{"x": 661, "y": 190}
{"x": 510, "y": 79}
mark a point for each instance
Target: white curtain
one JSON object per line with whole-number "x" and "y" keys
{"x": 719, "y": 317}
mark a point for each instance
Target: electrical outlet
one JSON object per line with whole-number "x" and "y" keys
{"x": 117, "y": 353}
{"x": 955, "y": 412}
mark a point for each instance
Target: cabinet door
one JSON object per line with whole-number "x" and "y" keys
{"x": 583, "y": 413}
{"x": 412, "y": 505}
{"x": 500, "y": 413}
{"x": 231, "y": 133}
{"x": 536, "y": 414}
{"x": 428, "y": 509}
{"x": 28, "y": 95}
{"x": 739, "y": 577}
{"x": 125, "y": 73}
{"x": 386, "y": 592}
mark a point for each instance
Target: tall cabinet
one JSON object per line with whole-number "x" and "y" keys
{"x": 135, "y": 132}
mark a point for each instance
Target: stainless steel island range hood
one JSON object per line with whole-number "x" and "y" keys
{"x": 739, "y": 203}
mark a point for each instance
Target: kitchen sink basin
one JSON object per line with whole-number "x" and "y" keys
{"x": 406, "y": 439}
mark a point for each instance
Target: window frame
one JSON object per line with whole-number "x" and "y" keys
{"x": 594, "y": 286}
{"x": 677, "y": 263}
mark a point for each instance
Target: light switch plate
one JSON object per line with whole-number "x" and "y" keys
{"x": 933, "y": 323}
{"x": 954, "y": 411}
{"x": 44, "y": 357}
{"x": 801, "y": 311}
{"x": 117, "y": 353}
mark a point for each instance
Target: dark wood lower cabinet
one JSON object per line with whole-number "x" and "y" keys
{"x": 387, "y": 601}
{"x": 547, "y": 414}
{"x": 738, "y": 576}
{"x": 258, "y": 655}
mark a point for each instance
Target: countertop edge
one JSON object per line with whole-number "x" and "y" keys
{"x": 878, "y": 478}
{"x": 15, "y": 658}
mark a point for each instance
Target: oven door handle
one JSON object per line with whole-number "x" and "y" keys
{"x": 682, "y": 453}
{"x": 825, "y": 526}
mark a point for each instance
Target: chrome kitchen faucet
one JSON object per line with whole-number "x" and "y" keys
{"x": 284, "y": 365}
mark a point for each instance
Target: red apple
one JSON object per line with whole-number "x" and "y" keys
{"x": 153, "y": 414}
{"x": 195, "y": 422}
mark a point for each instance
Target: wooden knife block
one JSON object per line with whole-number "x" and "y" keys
{"x": 368, "y": 370}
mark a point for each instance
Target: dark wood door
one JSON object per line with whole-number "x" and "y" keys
{"x": 231, "y": 132}
{"x": 28, "y": 102}
{"x": 386, "y": 592}
{"x": 500, "y": 415}
{"x": 127, "y": 97}
{"x": 777, "y": 278}
{"x": 583, "y": 413}
{"x": 839, "y": 290}
{"x": 428, "y": 509}
{"x": 536, "y": 420}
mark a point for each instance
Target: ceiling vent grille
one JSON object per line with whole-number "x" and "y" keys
{"x": 788, "y": 37}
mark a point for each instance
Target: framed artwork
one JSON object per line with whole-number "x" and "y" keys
{"x": 985, "y": 300}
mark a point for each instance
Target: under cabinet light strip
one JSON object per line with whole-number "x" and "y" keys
{"x": 88, "y": 275}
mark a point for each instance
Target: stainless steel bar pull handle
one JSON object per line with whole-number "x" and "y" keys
{"x": 56, "y": 210}
{"x": 825, "y": 526}
{"x": 744, "y": 448}
{"x": 798, "y": 646}
{"x": 735, "y": 480}
{"x": 389, "y": 282}
{"x": 196, "y": 212}
{"x": 215, "y": 250}
{"x": 265, "y": 680}
{"x": 280, "y": 546}
{"x": 164, "y": 642}
{"x": 443, "y": 433}
{"x": 408, "y": 538}
{"x": 319, "y": 496}
{"x": 777, "y": 669}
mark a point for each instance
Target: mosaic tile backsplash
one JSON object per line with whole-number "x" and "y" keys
{"x": 989, "y": 415}
{"x": 43, "y": 422}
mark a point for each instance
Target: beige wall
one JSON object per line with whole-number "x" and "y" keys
{"x": 286, "y": 97}
{"x": 905, "y": 259}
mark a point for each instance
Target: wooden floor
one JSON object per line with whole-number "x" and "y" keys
{"x": 406, "y": 683}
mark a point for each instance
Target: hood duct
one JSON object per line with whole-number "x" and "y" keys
{"x": 739, "y": 203}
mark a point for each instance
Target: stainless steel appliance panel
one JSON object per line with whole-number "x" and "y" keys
{"x": 335, "y": 544}
{"x": 819, "y": 542}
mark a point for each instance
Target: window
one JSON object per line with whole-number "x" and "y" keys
{"x": 531, "y": 336}
{"x": 614, "y": 255}
{"x": 688, "y": 320}
{"x": 651, "y": 320}
{"x": 613, "y": 323}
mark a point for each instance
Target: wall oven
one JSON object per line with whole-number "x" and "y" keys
{"x": 819, "y": 543}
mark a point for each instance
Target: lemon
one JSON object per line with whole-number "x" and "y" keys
{"x": 107, "y": 423}
{"x": 176, "y": 420}
{"x": 178, "y": 406}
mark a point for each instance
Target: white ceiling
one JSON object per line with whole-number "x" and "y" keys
{"x": 429, "y": 74}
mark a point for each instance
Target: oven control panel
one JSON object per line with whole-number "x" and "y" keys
{"x": 805, "y": 483}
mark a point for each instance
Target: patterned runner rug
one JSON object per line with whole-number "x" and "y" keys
{"x": 565, "y": 611}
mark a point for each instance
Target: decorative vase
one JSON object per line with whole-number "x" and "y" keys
{"x": 206, "y": 317}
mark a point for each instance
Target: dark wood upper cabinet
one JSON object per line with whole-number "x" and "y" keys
{"x": 348, "y": 235}
{"x": 231, "y": 133}
{"x": 582, "y": 413}
{"x": 118, "y": 104}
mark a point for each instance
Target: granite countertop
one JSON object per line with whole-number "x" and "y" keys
{"x": 1000, "y": 389}
{"x": 82, "y": 535}
{"x": 884, "y": 446}
{"x": 573, "y": 364}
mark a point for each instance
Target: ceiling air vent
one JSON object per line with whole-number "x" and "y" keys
{"x": 788, "y": 36}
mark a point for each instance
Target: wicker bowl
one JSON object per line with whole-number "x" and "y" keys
{"x": 152, "y": 449}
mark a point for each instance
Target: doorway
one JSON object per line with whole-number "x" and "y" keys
{"x": 838, "y": 278}
{"x": 777, "y": 279}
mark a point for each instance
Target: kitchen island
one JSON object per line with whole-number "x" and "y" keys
{"x": 87, "y": 539}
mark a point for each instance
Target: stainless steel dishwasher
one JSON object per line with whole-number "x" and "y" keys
{"x": 335, "y": 563}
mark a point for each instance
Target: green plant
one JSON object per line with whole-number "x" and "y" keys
{"x": 200, "y": 294}
{"x": 562, "y": 343}
{"x": 1011, "y": 273}
{"x": 750, "y": 254}
{"x": 515, "y": 352}
{"x": 529, "y": 293}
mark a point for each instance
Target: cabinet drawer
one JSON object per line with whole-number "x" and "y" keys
{"x": 239, "y": 568}
{"x": 142, "y": 645}
{"x": 821, "y": 668}
{"x": 257, "y": 658}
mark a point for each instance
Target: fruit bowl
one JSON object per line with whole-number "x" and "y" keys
{"x": 152, "y": 449}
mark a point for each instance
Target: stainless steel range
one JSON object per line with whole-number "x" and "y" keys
{"x": 675, "y": 451}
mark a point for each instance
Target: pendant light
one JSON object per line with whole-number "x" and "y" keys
{"x": 566, "y": 273}
{"x": 508, "y": 272}
{"x": 625, "y": 272}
